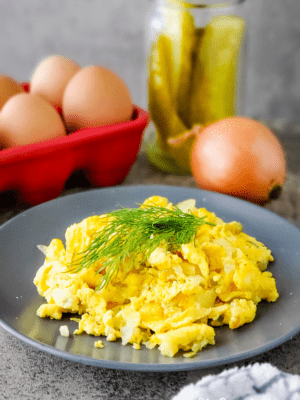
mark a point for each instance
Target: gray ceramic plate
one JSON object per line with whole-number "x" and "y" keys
{"x": 20, "y": 259}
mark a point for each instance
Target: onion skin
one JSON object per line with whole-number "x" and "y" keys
{"x": 241, "y": 157}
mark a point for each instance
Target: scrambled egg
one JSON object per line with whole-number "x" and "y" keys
{"x": 64, "y": 331}
{"x": 171, "y": 300}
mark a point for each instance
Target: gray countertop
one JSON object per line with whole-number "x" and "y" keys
{"x": 27, "y": 373}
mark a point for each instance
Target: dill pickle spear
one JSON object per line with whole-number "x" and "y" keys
{"x": 215, "y": 70}
{"x": 161, "y": 103}
{"x": 162, "y": 110}
{"x": 169, "y": 87}
{"x": 179, "y": 27}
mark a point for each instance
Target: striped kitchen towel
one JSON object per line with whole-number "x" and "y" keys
{"x": 254, "y": 382}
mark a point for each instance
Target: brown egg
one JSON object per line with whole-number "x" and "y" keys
{"x": 96, "y": 96}
{"x": 28, "y": 118}
{"x": 51, "y": 78}
{"x": 8, "y": 88}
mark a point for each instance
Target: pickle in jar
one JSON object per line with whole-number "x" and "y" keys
{"x": 169, "y": 86}
{"x": 215, "y": 71}
{"x": 161, "y": 102}
{"x": 179, "y": 27}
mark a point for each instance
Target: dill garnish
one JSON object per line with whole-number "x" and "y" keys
{"x": 133, "y": 231}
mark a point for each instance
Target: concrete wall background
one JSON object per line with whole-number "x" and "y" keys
{"x": 111, "y": 33}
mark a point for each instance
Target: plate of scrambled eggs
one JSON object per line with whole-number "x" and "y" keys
{"x": 153, "y": 278}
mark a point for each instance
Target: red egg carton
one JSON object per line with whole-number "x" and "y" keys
{"x": 38, "y": 172}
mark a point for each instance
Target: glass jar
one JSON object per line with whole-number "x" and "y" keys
{"x": 196, "y": 73}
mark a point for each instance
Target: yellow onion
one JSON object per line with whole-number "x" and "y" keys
{"x": 238, "y": 156}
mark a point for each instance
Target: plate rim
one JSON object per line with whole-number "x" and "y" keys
{"x": 143, "y": 367}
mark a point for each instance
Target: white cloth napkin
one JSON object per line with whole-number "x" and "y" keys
{"x": 254, "y": 382}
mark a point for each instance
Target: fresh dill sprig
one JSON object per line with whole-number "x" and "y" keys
{"x": 133, "y": 231}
